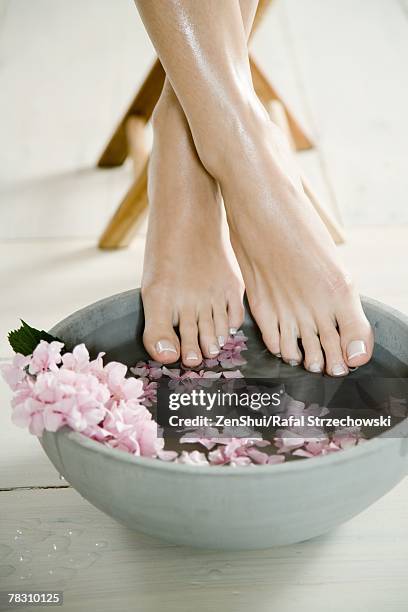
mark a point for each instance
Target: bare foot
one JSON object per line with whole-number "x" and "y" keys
{"x": 190, "y": 278}
{"x": 296, "y": 285}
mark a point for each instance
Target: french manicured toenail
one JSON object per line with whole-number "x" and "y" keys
{"x": 356, "y": 348}
{"x": 315, "y": 367}
{"x": 221, "y": 340}
{"x": 164, "y": 346}
{"x": 293, "y": 362}
{"x": 233, "y": 331}
{"x": 213, "y": 349}
{"x": 339, "y": 369}
{"x": 191, "y": 356}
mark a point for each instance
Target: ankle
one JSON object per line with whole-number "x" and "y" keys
{"x": 229, "y": 133}
{"x": 167, "y": 109}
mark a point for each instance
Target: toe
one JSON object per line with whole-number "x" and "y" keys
{"x": 236, "y": 314}
{"x": 190, "y": 350}
{"x": 313, "y": 360}
{"x": 221, "y": 324}
{"x": 208, "y": 341}
{"x": 267, "y": 322}
{"x": 357, "y": 338}
{"x": 330, "y": 341}
{"x": 271, "y": 336}
{"x": 289, "y": 347}
{"x": 159, "y": 337}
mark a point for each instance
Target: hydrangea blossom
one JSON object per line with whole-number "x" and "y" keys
{"x": 148, "y": 369}
{"x": 230, "y": 354}
{"x": 53, "y": 390}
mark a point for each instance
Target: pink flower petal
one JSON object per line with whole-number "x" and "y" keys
{"x": 233, "y": 374}
{"x": 167, "y": 455}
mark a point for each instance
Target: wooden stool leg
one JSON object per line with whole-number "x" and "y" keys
{"x": 122, "y": 226}
{"x": 136, "y": 141}
{"x": 278, "y": 115}
{"x": 116, "y": 151}
{"x": 263, "y": 6}
{"x": 267, "y": 93}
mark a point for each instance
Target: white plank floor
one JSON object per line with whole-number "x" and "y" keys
{"x": 341, "y": 67}
{"x": 360, "y": 566}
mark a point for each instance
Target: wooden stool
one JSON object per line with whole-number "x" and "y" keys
{"x": 129, "y": 139}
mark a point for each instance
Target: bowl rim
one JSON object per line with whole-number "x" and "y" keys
{"x": 343, "y": 456}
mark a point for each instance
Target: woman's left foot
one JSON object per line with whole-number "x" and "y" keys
{"x": 191, "y": 278}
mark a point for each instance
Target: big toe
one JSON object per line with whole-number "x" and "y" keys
{"x": 357, "y": 338}
{"x": 159, "y": 337}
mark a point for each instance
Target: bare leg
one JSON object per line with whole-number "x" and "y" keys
{"x": 296, "y": 285}
{"x": 187, "y": 249}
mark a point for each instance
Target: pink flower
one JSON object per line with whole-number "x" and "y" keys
{"x": 132, "y": 430}
{"x": 60, "y": 398}
{"x": 190, "y": 378}
{"x": 287, "y": 441}
{"x": 148, "y": 369}
{"x": 46, "y": 356}
{"x": 29, "y": 414}
{"x": 257, "y": 456}
{"x": 206, "y": 436}
{"x": 237, "y": 451}
{"x": 210, "y": 363}
{"x": 233, "y": 374}
{"x": 78, "y": 360}
{"x": 239, "y": 340}
{"x": 314, "y": 448}
{"x": 174, "y": 373}
{"x": 193, "y": 458}
{"x": 230, "y": 356}
{"x": 347, "y": 437}
{"x": 167, "y": 455}
{"x": 14, "y": 373}
{"x": 204, "y": 377}
{"x": 149, "y": 396}
{"x": 122, "y": 388}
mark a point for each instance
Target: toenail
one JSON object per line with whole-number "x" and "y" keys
{"x": 278, "y": 355}
{"x": 293, "y": 362}
{"x": 315, "y": 367}
{"x": 191, "y": 356}
{"x": 221, "y": 340}
{"x": 213, "y": 349}
{"x": 339, "y": 369}
{"x": 356, "y": 348}
{"x": 233, "y": 330}
{"x": 164, "y": 346}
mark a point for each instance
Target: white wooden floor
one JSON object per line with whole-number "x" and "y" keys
{"x": 67, "y": 69}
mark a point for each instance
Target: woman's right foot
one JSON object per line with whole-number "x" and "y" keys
{"x": 297, "y": 288}
{"x": 191, "y": 278}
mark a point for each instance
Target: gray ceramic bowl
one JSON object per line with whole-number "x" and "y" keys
{"x": 224, "y": 507}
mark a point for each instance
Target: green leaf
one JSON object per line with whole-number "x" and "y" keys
{"x": 24, "y": 339}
